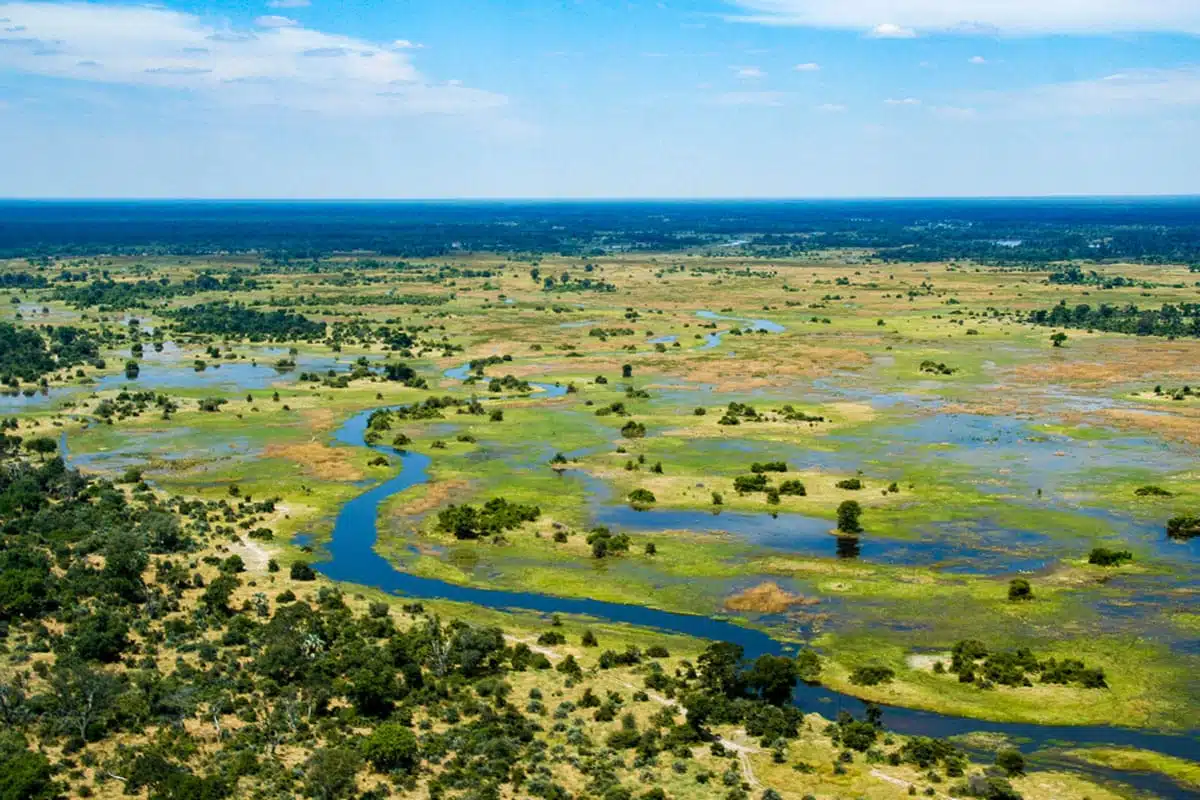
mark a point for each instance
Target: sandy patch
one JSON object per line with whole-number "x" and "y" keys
{"x": 318, "y": 460}
{"x": 767, "y": 598}
{"x": 253, "y": 555}
{"x": 925, "y": 661}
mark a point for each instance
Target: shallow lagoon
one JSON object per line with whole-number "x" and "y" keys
{"x": 352, "y": 558}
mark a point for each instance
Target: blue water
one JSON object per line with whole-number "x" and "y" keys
{"x": 550, "y": 390}
{"x": 352, "y": 558}
{"x": 174, "y": 369}
{"x": 979, "y": 551}
{"x": 765, "y": 325}
{"x": 711, "y": 340}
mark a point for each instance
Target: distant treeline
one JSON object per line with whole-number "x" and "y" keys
{"x": 237, "y": 321}
{"x": 22, "y": 280}
{"x": 1170, "y": 320}
{"x": 137, "y": 294}
{"x": 1074, "y": 276}
{"x": 1012, "y": 231}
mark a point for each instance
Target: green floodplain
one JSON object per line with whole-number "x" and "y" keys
{"x": 879, "y": 462}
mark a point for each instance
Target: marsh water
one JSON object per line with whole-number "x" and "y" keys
{"x": 352, "y": 558}
{"x": 1014, "y": 454}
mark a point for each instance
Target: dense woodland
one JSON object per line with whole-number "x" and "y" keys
{"x": 1168, "y": 320}
{"x": 126, "y": 636}
{"x": 29, "y": 355}
{"x": 1016, "y": 231}
{"x": 108, "y": 294}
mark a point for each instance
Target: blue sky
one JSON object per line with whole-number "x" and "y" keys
{"x": 584, "y": 98}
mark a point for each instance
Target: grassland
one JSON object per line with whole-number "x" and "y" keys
{"x": 1014, "y": 464}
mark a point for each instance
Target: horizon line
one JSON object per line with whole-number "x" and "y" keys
{"x": 586, "y": 199}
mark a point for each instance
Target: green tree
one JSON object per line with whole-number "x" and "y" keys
{"x": 720, "y": 668}
{"x": 808, "y": 665}
{"x": 42, "y": 445}
{"x": 24, "y": 774}
{"x": 330, "y": 771}
{"x": 848, "y": 514}
{"x": 390, "y": 747}
{"x": 773, "y": 677}
{"x": 1011, "y": 761}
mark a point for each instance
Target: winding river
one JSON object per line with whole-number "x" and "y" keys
{"x": 352, "y": 558}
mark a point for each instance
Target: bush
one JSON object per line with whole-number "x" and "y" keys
{"x": 750, "y": 483}
{"x": 1019, "y": 589}
{"x": 550, "y": 638}
{"x": 391, "y": 746}
{"x": 1011, "y": 761}
{"x": 1184, "y": 526}
{"x": 1103, "y": 557}
{"x": 793, "y": 488}
{"x": 641, "y": 497}
{"x": 302, "y": 572}
{"x": 851, "y": 484}
{"x": 871, "y": 675}
{"x": 633, "y": 430}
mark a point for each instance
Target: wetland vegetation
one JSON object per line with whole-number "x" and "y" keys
{"x": 773, "y": 503}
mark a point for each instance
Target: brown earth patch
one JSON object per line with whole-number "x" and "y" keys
{"x": 436, "y": 495}
{"x": 318, "y": 460}
{"x": 767, "y": 598}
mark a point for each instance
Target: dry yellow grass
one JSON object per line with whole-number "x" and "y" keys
{"x": 318, "y": 460}
{"x": 767, "y": 598}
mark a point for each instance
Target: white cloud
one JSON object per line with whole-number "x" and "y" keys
{"x": 748, "y": 73}
{"x": 890, "y": 30}
{"x": 405, "y": 44}
{"x": 808, "y": 67}
{"x": 831, "y": 108}
{"x": 977, "y": 60}
{"x": 292, "y": 67}
{"x": 771, "y": 99}
{"x": 903, "y": 101}
{"x": 275, "y": 21}
{"x": 288, "y": 3}
{"x": 980, "y": 17}
{"x": 1139, "y": 91}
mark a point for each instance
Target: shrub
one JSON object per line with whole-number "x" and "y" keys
{"x": 851, "y": 484}
{"x": 633, "y": 430}
{"x": 641, "y": 497}
{"x": 1011, "y": 761}
{"x": 871, "y": 675}
{"x": 302, "y": 572}
{"x": 1103, "y": 557}
{"x": 1019, "y": 589}
{"x": 1184, "y": 526}
{"x": 391, "y": 746}
{"x": 750, "y": 483}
